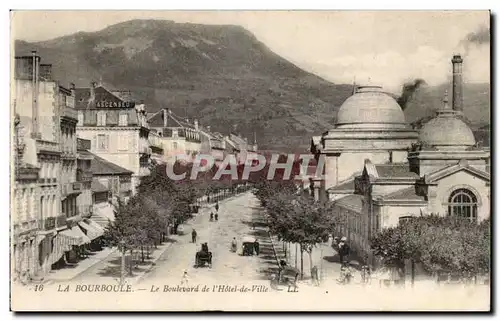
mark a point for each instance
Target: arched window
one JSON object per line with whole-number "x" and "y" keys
{"x": 42, "y": 208}
{"x": 463, "y": 203}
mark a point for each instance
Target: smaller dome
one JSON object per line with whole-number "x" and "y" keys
{"x": 370, "y": 107}
{"x": 447, "y": 131}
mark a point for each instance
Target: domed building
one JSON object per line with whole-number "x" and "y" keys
{"x": 370, "y": 125}
{"x": 378, "y": 171}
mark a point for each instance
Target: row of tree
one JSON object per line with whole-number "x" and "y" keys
{"x": 161, "y": 204}
{"x": 292, "y": 215}
{"x": 439, "y": 244}
{"x": 436, "y": 243}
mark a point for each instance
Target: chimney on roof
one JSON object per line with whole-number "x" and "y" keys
{"x": 45, "y": 72}
{"x": 457, "y": 98}
{"x": 196, "y": 124}
{"x": 72, "y": 87}
{"x": 92, "y": 93}
{"x": 165, "y": 117}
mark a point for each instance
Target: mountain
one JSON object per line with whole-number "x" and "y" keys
{"x": 221, "y": 75}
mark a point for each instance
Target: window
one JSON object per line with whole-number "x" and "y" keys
{"x": 174, "y": 145}
{"x": 123, "y": 121}
{"x": 123, "y": 142}
{"x": 101, "y": 118}
{"x": 463, "y": 203}
{"x": 102, "y": 142}
{"x": 80, "y": 118}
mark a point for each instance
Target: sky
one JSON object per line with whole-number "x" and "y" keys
{"x": 369, "y": 47}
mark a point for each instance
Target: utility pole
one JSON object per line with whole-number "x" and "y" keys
{"x": 296, "y": 245}
{"x": 122, "y": 274}
{"x": 321, "y": 263}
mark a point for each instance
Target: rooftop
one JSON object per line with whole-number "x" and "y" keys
{"x": 352, "y": 202}
{"x": 100, "y": 166}
{"x": 400, "y": 170}
{"x": 343, "y": 187}
{"x": 404, "y": 194}
{"x": 98, "y": 187}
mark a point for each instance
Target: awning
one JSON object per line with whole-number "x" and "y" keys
{"x": 61, "y": 243}
{"x": 76, "y": 233}
{"x": 96, "y": 226}
{"x": 92, "y": 232}
{"x": 103, "y": 214}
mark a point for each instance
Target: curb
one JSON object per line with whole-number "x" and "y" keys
{"x": 153, "y": 265}
{"x": 274, "y": 249}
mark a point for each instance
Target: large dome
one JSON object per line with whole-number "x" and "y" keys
{"x": 370, "y": 107}
{"x": 447, "y": 131}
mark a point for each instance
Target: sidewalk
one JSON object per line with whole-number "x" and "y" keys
{"x": 71, "y": 272}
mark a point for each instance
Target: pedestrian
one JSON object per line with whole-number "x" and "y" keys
{"x": 216, "y": 216}
{"x": 193, "y": 236}
{"x": 211, "y": 216}
{"x": 185, "y": 279}
{"x": 274, "y": 282}
{"x": 234, "y": 245}
{"x": 217, "y": 206}
{"x": 335, "y": 242}
{"x": 314, "y": 275}
{"x": 343, "y": 250}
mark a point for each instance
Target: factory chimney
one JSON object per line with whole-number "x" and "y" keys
{"x": 457, "y": 98}
{"x": 35, "y": 80}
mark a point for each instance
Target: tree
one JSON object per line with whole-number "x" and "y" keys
{"x": 299, "y": 219}
{"x": 438, "y": 243}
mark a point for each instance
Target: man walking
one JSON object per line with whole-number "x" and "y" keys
{"x": 343, "y": 250}
{"x": 217, "y": 206}
{"x": 193, "y": 236}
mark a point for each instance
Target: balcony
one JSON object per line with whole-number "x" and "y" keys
{"x": 84, "y": 176}
{"x": 25, "y": 227}
{"x": 48, "y": 224}
{"x": 68, "y": 152}
{"x": 47, "y": 147}
{"x": 72, "y": 188}
{"x": 70, "y": 113}
{"x": 27, "y": 173}
{"x": 61, "y": 221}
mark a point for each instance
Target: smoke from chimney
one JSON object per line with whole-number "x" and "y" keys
{"x": 408, "y": 91}
{"x": 476, "y": 38}
{"x": 457, "y": 98}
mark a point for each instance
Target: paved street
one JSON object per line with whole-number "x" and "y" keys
{"x": 235, "y": 217}
{"x": 231, "y": 269}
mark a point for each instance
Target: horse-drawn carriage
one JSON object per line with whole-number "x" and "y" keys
{"x": 250, "y": 245}
{"x": 203, "y": 257}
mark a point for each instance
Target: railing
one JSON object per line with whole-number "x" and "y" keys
{"x": 25, "y": 226}
{"x": 70, "y": 113}
{"x": 43, "y": 145}
{"x": 48, "y": 224}
{"x": 27, "y": 173}
{"x": 72, "y": 188}
{"x": 61, "y": 221}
